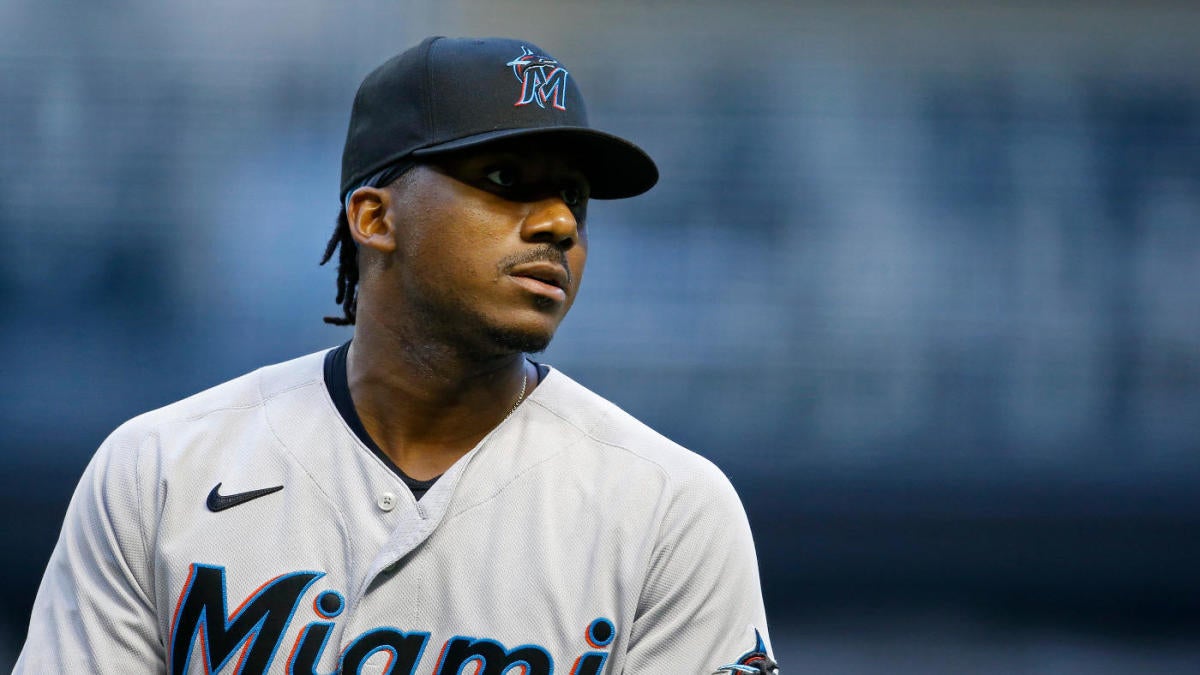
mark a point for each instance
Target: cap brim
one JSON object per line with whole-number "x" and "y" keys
{"x": 615, "y": 168}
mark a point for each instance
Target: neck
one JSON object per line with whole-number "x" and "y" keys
{"x": 425, "y": 404}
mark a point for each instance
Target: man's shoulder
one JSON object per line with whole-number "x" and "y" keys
{"x": 241, "y": 394}
{"x": 609, "y": 429}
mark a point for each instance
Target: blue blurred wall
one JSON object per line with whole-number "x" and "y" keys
{"x": 921, "y": 279}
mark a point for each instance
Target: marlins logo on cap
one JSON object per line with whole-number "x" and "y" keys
{"x": 542, "y": 79}
{"x": 450, "y": 94}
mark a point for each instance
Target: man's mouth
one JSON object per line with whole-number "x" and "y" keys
{"x": 545, "y": 272}
{"x": 543, "y": 278}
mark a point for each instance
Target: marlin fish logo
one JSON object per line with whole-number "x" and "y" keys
{"x": 756, "y": 661}
{"x": 542, "y": 79}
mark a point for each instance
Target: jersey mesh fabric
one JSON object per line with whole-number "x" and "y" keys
{"x": 568, "y": 514}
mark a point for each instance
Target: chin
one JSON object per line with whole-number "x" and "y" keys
{"x": 528, "y": 329}
{"x": 524, "y": 341}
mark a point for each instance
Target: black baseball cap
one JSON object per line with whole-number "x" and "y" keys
{"x": 448, "y": 94}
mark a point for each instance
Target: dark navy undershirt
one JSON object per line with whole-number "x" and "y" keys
{"x": 338, "y": 384}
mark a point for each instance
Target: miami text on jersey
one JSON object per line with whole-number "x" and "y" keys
{"x": 204, "y": 628}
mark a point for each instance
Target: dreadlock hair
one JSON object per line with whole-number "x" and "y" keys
{"x": 347, "y": 270}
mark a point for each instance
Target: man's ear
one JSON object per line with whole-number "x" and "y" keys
{"x": 368, "y": 212}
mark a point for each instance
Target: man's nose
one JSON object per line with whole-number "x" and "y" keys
{"x": 550, "y": 220}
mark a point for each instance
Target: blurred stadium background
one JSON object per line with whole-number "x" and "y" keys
{"x": 923, "y": 278}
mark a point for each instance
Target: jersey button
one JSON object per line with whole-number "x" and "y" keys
{"x": 386, "y": 501}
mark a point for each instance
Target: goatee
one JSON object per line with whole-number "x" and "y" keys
{"x": 520, "y": 341}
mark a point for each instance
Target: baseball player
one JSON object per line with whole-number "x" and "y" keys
{"x": 424, "y": 498}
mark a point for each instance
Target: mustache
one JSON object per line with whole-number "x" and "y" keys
{"x": 542, "y": 253}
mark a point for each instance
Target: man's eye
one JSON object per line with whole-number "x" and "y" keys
{"x": 572, "y": 195}
{"x": 503, "y": 177}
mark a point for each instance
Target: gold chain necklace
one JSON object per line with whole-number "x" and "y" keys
{"x": 521, "y": 396}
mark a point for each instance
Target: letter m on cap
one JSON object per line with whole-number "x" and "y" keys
{"x": 255, "y": 627}
{"x": 544, "y": 84}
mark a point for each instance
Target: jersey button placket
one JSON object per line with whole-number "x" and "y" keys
{"x": 386, "y": 501}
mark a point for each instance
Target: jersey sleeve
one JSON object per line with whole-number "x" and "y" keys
{"x": 94, "y": 611}
{"x": 701, "y": 606}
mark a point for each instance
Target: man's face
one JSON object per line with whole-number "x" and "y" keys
{"x": 490, "y": 247}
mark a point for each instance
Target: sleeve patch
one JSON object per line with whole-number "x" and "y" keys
{"x": 756, "y": 661}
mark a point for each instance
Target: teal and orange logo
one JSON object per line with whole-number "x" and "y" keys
{"x": 543, "y": 80}
{"x": 755, "y": 662}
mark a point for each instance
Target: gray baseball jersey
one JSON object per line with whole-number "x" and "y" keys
{"x": 247, "y": 529}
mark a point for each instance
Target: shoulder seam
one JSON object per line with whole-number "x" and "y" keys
{"x": 261, "y": 400}
{"x": 588, "y": 432}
